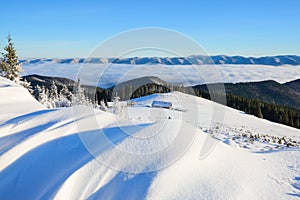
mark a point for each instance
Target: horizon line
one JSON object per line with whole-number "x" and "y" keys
{"x": 276, "y": 55}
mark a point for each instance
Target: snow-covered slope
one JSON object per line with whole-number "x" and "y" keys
{"x": 80, "y": 153}
{"x": 11, "y": 95}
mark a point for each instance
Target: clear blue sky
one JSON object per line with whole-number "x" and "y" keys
{"x": 70, "y": 28}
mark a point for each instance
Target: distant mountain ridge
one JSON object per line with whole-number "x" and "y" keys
{"x": 195, "y": 59}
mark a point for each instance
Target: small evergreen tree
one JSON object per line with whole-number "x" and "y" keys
{"x": 117, "y": 106}
{"x": 65, "y": 97}
{"x": 53, "y": 95}
{"x": 43, "y": 96}
{"x": 65, "y": 92}
{"x": 78, "y": 97}
{"x": 36, "y": 92}
{"x": 27, "y": 85}
{"x": 10, "y": 67}
{"x": 53, "y": 91}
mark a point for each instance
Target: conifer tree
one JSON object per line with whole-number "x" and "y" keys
{"x": 65, "y": 92}
{"x": 36, "y": 92}
{"x": 10, "y": 67}
{"x": 117, "y": 106}
{"x": 53, "y": 91}
{"x": 27, "y": 85}
{"x": 78, "y": 97}
{"x": 43, "y": 96}
{"x": 53, "y": 95}
{"x": 65, "y": 97}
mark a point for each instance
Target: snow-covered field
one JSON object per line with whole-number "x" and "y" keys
{"x": 180, "y": 74}
{"x": 196, "y": 150}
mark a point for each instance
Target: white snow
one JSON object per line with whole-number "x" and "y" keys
{"x": 11, "y": 95}
{"x": 79, "y": 153}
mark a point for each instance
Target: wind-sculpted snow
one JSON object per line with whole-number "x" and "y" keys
{"x": 47, "y": 154}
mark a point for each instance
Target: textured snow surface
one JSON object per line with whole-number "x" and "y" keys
{"x": 45, "y": 154}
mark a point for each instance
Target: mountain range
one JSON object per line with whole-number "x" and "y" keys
{"x": 195, "y": 60}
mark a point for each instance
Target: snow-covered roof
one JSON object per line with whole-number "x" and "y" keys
{"x": 161, "y": 104}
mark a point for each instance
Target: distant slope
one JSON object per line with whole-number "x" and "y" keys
{"x": 139, "y": 87}
{"x": 267, "y": 91}
{"x": 48, "y": 80}
{"x": 196, "y": 59}
{"x": 135, "y": 88}
{"x": 295, "y": 85}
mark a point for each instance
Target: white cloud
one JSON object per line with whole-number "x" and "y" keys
{"x": 107, "y": 75}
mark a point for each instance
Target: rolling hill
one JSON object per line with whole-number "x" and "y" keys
{"x": 144, "y": 153}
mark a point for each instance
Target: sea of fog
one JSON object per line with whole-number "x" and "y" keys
{"x": 106, "y": 75}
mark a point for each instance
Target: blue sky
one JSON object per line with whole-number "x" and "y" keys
{"x": 70, "y": 28}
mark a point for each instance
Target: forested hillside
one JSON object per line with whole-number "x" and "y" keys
{"x": 272, "y": 92}
{"x": 267, "y": 99}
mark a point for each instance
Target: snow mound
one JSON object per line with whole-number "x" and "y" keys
{"x": 15, "y": 100}
{"x": 147, "y": 153}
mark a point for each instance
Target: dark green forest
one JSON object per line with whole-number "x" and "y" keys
{"x": 276, "y": 113}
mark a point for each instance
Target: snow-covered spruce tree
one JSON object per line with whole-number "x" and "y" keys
{"x": 53, "y": 95}
{"x": 43, "y": 96}
{"x": 65, "y": 97}
{"x": 36, "y": 92}
{"x": 10, "y": 67}
{"x": 65, "y": 92}
{"x": 78, "y": 97}
{"x": 27, "y": 85}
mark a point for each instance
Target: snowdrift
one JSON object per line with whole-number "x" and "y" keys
{"x": 144, "y": 153}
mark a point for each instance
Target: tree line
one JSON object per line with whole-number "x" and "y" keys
{"x": 272, "y": 112}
